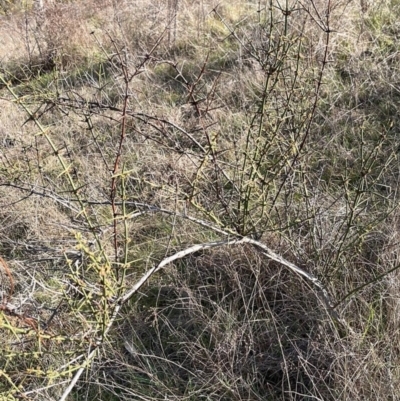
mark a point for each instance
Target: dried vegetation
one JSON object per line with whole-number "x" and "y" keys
{"x": 199, "y": 200}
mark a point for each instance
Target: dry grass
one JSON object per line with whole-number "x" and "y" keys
{"x": 131, "y": 131}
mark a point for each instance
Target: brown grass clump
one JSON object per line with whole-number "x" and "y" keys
{"x": 228, "y": 326}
